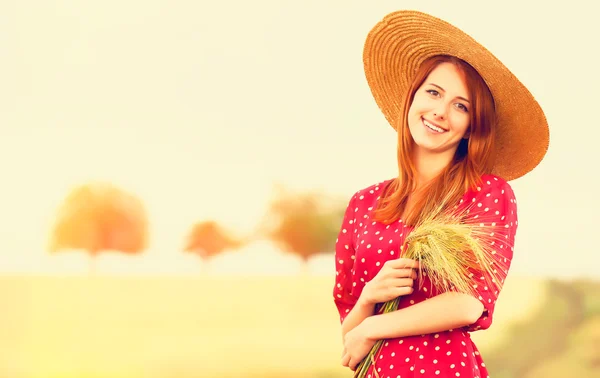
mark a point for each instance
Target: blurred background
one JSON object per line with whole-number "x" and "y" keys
{"x": 174, "y": 175}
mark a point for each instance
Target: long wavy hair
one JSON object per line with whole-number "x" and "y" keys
{"x": 473, "y": 157}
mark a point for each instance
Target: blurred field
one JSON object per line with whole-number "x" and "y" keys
{"x": 197, "y": 327}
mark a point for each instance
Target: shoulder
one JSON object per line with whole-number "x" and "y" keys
{"x": 372, "y": 191}
{"x": 491, "y": 198}
{"x": 495, "y": 182}
{"x": 491, "y": 185}
{"x": 365, "y": 199}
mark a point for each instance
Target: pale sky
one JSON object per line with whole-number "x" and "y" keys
{"x": 200, "y": 107}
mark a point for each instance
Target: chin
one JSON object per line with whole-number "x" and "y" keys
{"x": 427, "y": 148}
{"x": 424, "y": 141}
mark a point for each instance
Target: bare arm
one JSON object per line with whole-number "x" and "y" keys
{"x": 394, "y": 279}
{"x": 360, "y": 312}
{"x": 443, "y": 312}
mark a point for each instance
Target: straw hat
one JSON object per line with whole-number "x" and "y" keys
{"x": 399, "y": 43}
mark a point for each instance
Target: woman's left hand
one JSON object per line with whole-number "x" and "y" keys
{"x": 356, "y": 345}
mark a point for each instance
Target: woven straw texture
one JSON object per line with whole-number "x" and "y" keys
{"x": 398, "y": 44}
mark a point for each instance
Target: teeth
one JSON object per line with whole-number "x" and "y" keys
{"x": 433, "y": 127}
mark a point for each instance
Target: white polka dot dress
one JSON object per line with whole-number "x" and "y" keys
{"x": 362, "y": 247}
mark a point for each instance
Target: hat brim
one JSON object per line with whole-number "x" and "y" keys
{"x": 402, "y": 40}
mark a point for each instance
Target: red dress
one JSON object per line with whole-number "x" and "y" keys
{"x": 364, "y": 245}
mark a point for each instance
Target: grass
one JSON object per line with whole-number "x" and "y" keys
{"x": 100, "y": 327}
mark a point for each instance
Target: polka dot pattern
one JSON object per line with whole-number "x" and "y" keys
{"x": 363, "y": 246}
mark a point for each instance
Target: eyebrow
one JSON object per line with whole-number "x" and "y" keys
{"x": 459, "y": 97}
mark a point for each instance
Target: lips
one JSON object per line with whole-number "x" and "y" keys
{"x": 432, "y": 126}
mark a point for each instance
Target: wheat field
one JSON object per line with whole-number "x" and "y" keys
{"x": 190, "y": 326}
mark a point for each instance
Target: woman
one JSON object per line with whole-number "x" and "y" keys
{"x": 465, "y": 126}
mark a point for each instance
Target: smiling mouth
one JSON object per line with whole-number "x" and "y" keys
{"x": 433, "y": 126}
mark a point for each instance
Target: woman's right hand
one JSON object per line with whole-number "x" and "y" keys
{"x": 395, "y": 279}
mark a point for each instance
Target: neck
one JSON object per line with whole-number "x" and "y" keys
{"x": 429, "y": 165}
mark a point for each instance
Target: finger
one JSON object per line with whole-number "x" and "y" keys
{"x": 404, "y": 263}
{"x": 355, "y": 363}
{"x": 352, "y": 365}
{"x": 404, "y": 290}
{"x": 403, "y": 282}
{"x": 345, "y": 360}
{"x": 403, "y": 273}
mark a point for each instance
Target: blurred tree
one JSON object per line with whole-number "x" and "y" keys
{"x": 99, "y": 217}
{"x": 208, "y": 239}
{"x": 580, "y": 354}
{"x": 304, "y": 224}
{"x": 535, "y": 343}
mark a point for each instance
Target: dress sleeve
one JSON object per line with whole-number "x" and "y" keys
{"x": 344, "y": 262}
{"x": 494, "y": 205}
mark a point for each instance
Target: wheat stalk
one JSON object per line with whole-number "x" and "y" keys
{"x": 449, "y": 248}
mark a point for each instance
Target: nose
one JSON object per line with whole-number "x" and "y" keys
{"x": 440, "y": 112}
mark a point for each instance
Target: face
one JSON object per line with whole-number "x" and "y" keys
{"x": 438, "y": 117}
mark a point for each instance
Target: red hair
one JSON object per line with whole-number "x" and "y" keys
{"x": 472, "y": 159}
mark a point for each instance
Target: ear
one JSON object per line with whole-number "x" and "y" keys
{"x": 467, "y": 134}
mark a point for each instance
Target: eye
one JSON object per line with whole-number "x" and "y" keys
{"x": 462, "y": 107}
{"x": 433, "y": 92}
